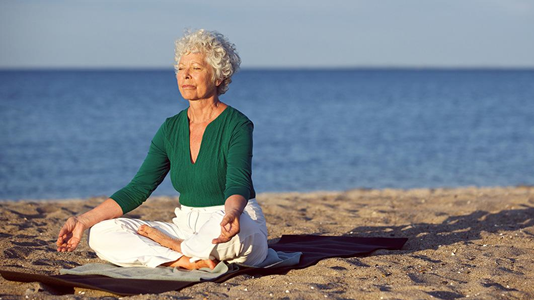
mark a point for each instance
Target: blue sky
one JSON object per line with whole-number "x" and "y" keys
{"x": 275, "y": 34}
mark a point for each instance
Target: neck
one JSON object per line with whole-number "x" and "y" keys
{"x": 202, "y": 111}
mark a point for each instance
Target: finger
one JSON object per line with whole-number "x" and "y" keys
{"x": 73, "y": 243}
{"x": 226, "y": 220}
{"x": 65, "y": 236}
{"x": 62, "y": 248}
{"x": 220, "y": 240}
{"x": 75, "y": 239}
{"x": 223, "y": 238}
{"x": 61, "y": 240}
{"x": 235, "y": 228}
{"x": 62, "y": 231}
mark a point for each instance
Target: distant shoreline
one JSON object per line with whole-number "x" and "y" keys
{"x": 358, "y": 189}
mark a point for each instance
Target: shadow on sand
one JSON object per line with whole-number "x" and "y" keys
{"x": 454, "y": 229}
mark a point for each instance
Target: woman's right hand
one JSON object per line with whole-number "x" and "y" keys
{"x": 71, "y": 234}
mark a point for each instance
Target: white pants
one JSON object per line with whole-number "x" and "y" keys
{"x": 118, "y": 242}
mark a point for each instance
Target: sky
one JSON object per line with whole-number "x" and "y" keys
{"x": 270, "y": 34}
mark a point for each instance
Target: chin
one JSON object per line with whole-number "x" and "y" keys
{"x": 189, "y": 97}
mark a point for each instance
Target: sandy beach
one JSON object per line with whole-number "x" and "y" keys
{"x": 463, "y": 243}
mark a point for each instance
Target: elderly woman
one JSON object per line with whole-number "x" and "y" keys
{"x": 208, "y": 150}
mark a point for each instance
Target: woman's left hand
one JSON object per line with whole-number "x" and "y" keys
{"x": 229, "y": 227}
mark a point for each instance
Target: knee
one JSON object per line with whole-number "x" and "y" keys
{"x": 248, "y": 247}
{"x": 97, "y": 235}
{"x": 255, "y": 249}
{"x": 254, "y": 245}
{"x": 248, "y": 227}
{"x": 248, "y": 250}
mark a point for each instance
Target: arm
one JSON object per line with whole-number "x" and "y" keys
{"x": 238, "y": 181}
{"x": 239, "y": 163}
{"x": 71, "y": 233}
{"x": 149, "y": 176}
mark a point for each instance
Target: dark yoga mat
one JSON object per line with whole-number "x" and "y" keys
{"x": 314, "y": 248}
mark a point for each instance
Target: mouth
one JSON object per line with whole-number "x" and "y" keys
{"x": 188, "y": 86}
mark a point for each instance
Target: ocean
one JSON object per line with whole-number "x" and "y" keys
{"x": 82, "y": 133}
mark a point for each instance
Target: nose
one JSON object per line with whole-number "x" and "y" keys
{"x": 185, "y": 73}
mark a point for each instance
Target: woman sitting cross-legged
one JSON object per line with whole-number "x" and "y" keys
{"x": 207, "y": 148}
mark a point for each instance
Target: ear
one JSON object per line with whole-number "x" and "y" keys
{"x": 218, "y": 82}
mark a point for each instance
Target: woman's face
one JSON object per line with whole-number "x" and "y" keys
{"x": 195, "y": 77}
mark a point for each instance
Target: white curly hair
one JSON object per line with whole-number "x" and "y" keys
{"x": 220, "y": 54}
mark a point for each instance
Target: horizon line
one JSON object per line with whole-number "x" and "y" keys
{"x": 303, "y": 68}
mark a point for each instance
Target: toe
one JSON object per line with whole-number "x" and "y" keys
{"x": 142, "y": 230}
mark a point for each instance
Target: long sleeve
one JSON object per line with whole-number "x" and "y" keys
{"x": 150, "y": 175}
{"x": 239, "y": 168}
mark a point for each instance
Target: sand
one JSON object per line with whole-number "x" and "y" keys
{"x": 463, "y": 243}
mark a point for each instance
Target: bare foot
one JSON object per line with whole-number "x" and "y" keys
{"x": 183, "y": 262}
{"x": 160, "y": 237}
{"x": 174, "y": 244}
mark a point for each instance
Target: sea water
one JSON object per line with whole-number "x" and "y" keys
{"x": 82, "y": 133}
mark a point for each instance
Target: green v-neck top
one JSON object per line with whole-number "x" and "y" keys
{"x": 222, "y": 168}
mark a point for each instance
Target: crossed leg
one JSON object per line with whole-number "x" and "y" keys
{"x": 174, "y": 244}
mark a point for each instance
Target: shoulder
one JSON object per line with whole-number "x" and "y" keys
{"x": 235, "y": 118}
{"x": 174, "y": 122}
